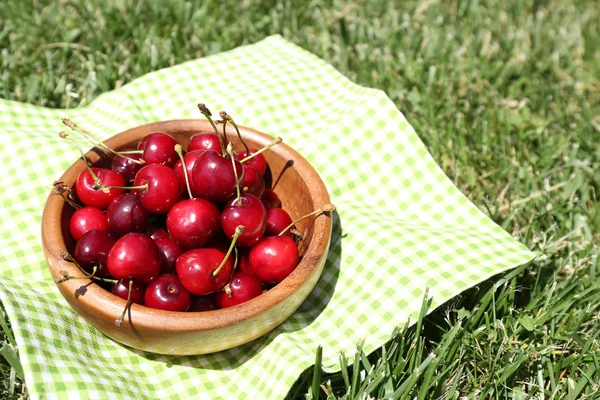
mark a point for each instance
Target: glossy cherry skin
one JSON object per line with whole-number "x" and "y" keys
{"x": 203, "y": 303}
{"x": 214, "y": 177}
{"x": 273, "y": 258}
{"x": 84, "y": 187}
{"x": 277, "y": 220}
{"x": 250, "y": 213}
{"x": 167, "y": 293}
{"x": 126, "y": 214}
{"x": 204, "y": 141}
{"x": 190, "y": 160}
{"x": 134, "y": 256}
{"x": 195, "y": 268}
{"x": 86, "y": 219}
{"x": 92, "y": 250}
{"x": 243, "y": 264}
{"x": 243, "y": 288}
{"x": 121, "y": 289}
{"x": 163, "y": 191}
{"x": 253, "y": 182}
{"x": 159, "y": 148}
{"x": 257, "y": 162}
{"x": 193, "y": 222}
{"x": 158, "y": 233}
{"x": 126, "y": 167}
{"x": 168, "y": 252}
{"x": 270, "y": 199}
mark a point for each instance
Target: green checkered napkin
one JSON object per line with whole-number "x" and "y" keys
{"x": 400, "y": 226}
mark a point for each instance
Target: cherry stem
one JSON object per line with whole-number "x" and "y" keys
{"x": 97, "y": 182}
{"x": 119, "y": 320}
{"x": 140, "y": 187}
{"x": 64, "y": 191}
{"x": 179, "y": 152}
{"x": 237, "y": 180}
{"x": 267, "y": 147}
{"x": 238, "y": 231}
{"x": 96, "y": 142}
{"x": 206, "y": 112}
{"x": 224, "y": 130}
{"x": 326, "y": 208}
{"x": 131, "y": 152}
{"x": 67, "y": 257}
{"x": 227, "y": 118}
{"x": 227, "y": 290}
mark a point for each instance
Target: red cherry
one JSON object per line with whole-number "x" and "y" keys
{"x": 168, "y": 251}
{"x": 277, "y": 220}
{"x": 95, "y": 197}
{"x": 195, "y": 269}
{"x": 126, "y": 214}
{"x": 86, "y": 219}
{"x": 163, "y": 188}
{"x": 270, "y": 199}
{"x": 204, "y": 141}
{"x": 159, "y": 148}
{"x": 126, "y": 167}
{"x": 138, "y": 289}
{"x": 250, "y": 213}
{"x": 134, "y": 256}
{"x": 203, "y": 303}
{"x": 92, "y": 250}
{"x": 214, "y": 177}
{"x": 190, "y": 160}
{"x": 193, "y": 222}
{"x": 253, "y": 182}
{"x": 158, "y": 233}
{"x": 242, "y": 287}
{"x": 257, "y": 161}
{"x": 273, "y": 258}
{"x": 243, "y": 262}
{"x": 167, "y": 293}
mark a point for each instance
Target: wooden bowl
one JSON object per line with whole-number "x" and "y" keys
{"x": 186, "y": 333}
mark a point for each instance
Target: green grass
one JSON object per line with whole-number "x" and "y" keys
{"x": 506, "y": 96}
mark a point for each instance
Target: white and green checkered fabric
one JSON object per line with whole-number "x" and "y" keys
{"x": 400, "y": 226}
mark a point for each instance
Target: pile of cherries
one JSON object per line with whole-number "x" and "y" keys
{"x": 180, "y": 232}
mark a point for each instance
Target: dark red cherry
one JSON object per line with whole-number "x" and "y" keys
{"x": 190, "y": 160}
{"x": 214, "y": 177}
{"x": 250, "y": 213}
{"x": 257, "y": 162}
{"x": 277, "y": 220}
{"x": 159, "y": 148}
{"x": 243, "y": 262}
{"x": 203, "y": 303}
{"x": 193, "y": 222}
{"x": 121, "y": 289}
{"x": 126, "y": 214}
{"x": 204, "y": 141}
{"x": 163, "y": 191}
{"x": 273, "y": 258}
{"x": 126, "y": 167}
{"x": 270, "y": 199}
{"x": 86, "y": 219}
{"x": 134, "y": 256}
{"x": 92, "y": 250}
{"x": 242, "y": 287}
{"x": 158, "y": 233}
{"x": 195, "y": 270}
{"x": 253, "y": 182}
{"x": 167, "y": 293}
{"x": 90, "y": 196}
{"x": 168, "y": 252}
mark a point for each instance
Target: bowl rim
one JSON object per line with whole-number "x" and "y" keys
{"x": 108, "y": 307}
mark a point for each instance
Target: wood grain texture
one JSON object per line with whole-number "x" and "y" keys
{"x": 301, "y": 191}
